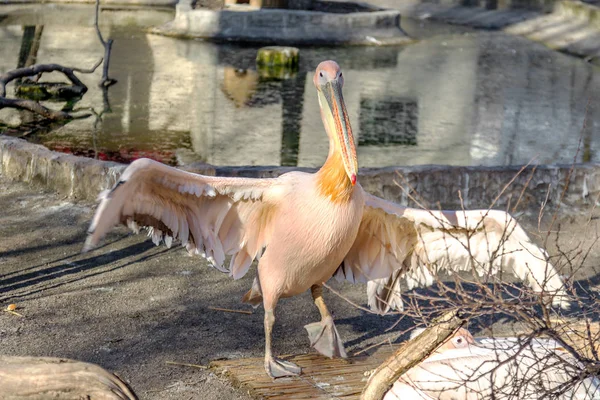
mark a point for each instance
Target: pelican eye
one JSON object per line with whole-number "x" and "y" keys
{"x": 321, "y": 74}
{"x": 459, "y": 342}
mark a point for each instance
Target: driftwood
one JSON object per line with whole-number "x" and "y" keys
{"x": 37, "y": 378}
{"x": 39, "y": 69}
{"x": 33, "y": 106}
{"x": 409, "y": 355}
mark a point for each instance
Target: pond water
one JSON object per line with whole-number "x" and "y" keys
{"x": 454, "y": 97}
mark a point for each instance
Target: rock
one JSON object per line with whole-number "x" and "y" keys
{"x": 277, "y": 62}
{"x": 54, "y": 91}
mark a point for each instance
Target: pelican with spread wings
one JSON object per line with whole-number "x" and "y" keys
{"x": 304, "y": 228}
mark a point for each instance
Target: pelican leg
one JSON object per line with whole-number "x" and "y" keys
{"x": 323, "y": 335}
{"x": 274, "y": 367}
{"x": 254, "y": 295}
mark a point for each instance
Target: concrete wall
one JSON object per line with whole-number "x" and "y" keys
{"x": 288, "y": 26}
{"x": 435, "y": 186}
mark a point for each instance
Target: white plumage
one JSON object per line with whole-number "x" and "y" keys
{"x": 497, "y": 369}
{"x": 396, "y": 243}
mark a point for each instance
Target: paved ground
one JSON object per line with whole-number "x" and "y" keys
{"x": 131, "y": 307}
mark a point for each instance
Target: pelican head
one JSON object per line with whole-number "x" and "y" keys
{"x": 329, "y": 81}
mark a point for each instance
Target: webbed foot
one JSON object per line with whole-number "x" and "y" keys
{"x": 279, "y": 368}
{"x": 325, "y": 338}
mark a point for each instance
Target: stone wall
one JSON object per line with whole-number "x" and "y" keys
{"x": 75, "y": 177}
{"x": 287, "y": 26}
{"x": 433, "y": 186}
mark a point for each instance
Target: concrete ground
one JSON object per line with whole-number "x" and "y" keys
{"x": 567, "y": 26}
{"x": 131, "y": 307}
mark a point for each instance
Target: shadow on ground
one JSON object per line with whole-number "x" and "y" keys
{"x": 131, "y": 307}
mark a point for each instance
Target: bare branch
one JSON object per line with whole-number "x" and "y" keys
{"x": 37, "y": 70}
{"x": 33, "y": 106}
{"x": 107, "y": 44}
{"x": 40, "y": 69}
{"x": 409, "y": 355}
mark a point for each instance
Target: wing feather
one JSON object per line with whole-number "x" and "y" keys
{"x": 395, "y": 241}
{"x": 211, "y": 216}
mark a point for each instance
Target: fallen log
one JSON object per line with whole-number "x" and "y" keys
{"x": 37, "y": 378}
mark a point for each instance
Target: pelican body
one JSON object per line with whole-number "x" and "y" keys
{"x": 304, "y": 228}
{"x": 496, "y": 368}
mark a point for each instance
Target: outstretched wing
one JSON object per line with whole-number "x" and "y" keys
{"x": 211, "y": 216}
{"x": 396, "y": 242}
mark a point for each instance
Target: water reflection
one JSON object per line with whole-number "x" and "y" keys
{"x": 387, "y": 121}
{"x": 462, "y": 99}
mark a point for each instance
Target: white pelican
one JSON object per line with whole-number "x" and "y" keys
{"x": 496, "y": 369}
{"x": 304, "y": 227}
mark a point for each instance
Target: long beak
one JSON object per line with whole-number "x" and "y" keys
{"x": 336, "y": 117}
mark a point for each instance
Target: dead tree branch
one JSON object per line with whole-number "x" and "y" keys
{"x": 34, "y": 107}
{"x": 105, "y": 81}
{"x": 39, "y": 69}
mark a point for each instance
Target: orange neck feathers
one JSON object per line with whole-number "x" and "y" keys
{"x": 332, "y": 180}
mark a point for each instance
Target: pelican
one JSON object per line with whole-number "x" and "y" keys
{"x": 496, "y": 368}
{"x": 304, "y": 228}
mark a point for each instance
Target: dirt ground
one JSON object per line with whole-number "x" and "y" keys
{"x": 131, "y": 307}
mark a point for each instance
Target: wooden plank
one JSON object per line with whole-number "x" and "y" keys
{"x": 322, "y": 378}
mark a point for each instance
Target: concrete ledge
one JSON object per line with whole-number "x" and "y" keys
{"x": 104, "y": 3}
{"x": 582, "y": 12}
{"x": 573, "y": 27}
{"x": 288, "y": 26}
{"x": 435, "y": 186}
{"x": 75, "y": 177}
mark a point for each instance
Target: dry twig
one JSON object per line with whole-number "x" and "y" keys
{"x": 186, "y": 365}
{"x": 230, "y": 310}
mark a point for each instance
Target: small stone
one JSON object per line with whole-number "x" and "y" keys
{"x": 277, "y": 62}
{"x": 11, "y": 307}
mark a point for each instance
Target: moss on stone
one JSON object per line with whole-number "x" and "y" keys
{"x": 277, "y": 62}
{"x": 48, "y": 91}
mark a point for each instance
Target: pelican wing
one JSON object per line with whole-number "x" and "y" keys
{"x": 396, "y": 242}
{"x": 503, "y": 370}
{"x": 211, "y": 216}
